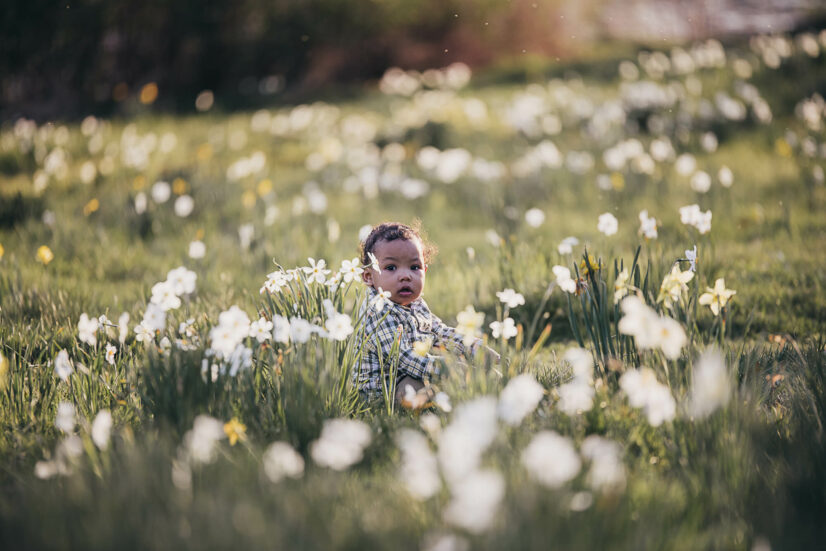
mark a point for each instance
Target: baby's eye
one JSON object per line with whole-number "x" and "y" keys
{"x": 390, "y": 268}
{"x": 415, "y": 267}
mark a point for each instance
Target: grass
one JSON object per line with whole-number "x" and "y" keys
{"x": 751, "y": 473}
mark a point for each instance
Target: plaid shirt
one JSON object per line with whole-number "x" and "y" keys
{"x": 410, "y": 324}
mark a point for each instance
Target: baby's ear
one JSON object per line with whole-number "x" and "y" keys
{"x": 367, "y": 276}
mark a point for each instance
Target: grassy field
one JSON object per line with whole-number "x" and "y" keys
{"x": 179, "y": 422}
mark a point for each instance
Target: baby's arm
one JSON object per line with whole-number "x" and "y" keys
{"x": 381, "y": 335}
{"x": 447, "y": 335}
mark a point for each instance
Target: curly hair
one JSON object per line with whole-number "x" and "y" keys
{"x": 390, "y": 231}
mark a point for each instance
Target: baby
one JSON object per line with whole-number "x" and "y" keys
{"x": 401, "y": 257}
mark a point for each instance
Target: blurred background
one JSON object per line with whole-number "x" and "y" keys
{"x": 71, "y": 58}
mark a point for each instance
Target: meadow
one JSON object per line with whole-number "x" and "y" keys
{"x": 641, "y": 237}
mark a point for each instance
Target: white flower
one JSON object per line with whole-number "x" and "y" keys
{"x": 63, "y": 365}
{"x": 161, "y": 192}
{"x": 197, "y": 249}
{"x": 182, "y": 281}
{"x": 671, "y": 337}
{"x": 510, "y": 298}
{"x": 581, "y": 362}
{"x": 184, "y": 205}
{"x": 691, "y": 256}
{"x": 87, "y": 329}
{"x": 725, "y": 176}
{"x": 442, "y": 401}
{"x": 282, "y": 460}
{"x": 648, "y": 226}
{"x": 338, "y": 326}
{"x": 475, "y": 501}
{"x": 519, "y": 398}
{"x": 566, "y": 246}
{"x": 351, "y": 269}
{"x": 700, "y": 182}
{"x": 143, "y": 333}
{"x": 374, "y": 262}
{"x": 651, "y": 330}
{"x": 110, "y": 353}
{"x": 691, "y": 215}
{"x": 607, "y": 223}
{"x": 381, "y": 300}
{"x": 275, "y": 281}
{"x": 644, "y": 391}
{"x": 419, "y": 470}
{"x": 534, "y": 217}
{"x": 261, "y": 329}
{"x": 123, "y": 327}
{"x": 551, "y": 459}
{"x": 102, "y": 429}
{"x": 364, "y": 232}
{"x": 140, "y": 203}
{"x": 505, "y": 329}
{"x": 65, "y": 418}
{"x": 710, "y": 384}
{"x": 233, "y": 327}
{"x": 575, "y": 397}
{"x": 468, "y": 435}
{"x": 245, "y": 234}
{"x": 469, "y": 324}
{"x": 200, "y": 441}
{"x": 164, "y": 296}
{"x": 685, "y": 164}
{"x": 315, "y": 271}
{"x": 493, "y": 238}
{"x": 607, "y": 471}
{"x": 341, "y": 443}
{"x": 300, "y": 330}
{"x": 563, "y": 279}
{"x": 281, "y": 329}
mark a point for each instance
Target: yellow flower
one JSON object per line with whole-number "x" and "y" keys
{"x": 422, "y": 347}
{"x": 179, "y": 186}
{"x": 717, "y": 297}
{"x": 583, "y": 266}
{"x": 45, "y": 254}
{"x": 264, "y": 187}
{"x": 673, "y": 285}
{"x": 149, "y": 93}
{"x": 204, "y": 152}
{"x": 235, "y": 430}
{"x": 91, "y": 207}
{"x": 2, "y": 251}
{"x": 621, "y": 286}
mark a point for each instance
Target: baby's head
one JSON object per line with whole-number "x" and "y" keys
{"x": 402, "y": 254}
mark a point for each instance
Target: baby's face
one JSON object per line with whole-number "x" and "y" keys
{"x": 402, "y": 270}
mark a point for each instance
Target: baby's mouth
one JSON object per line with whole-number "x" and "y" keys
{"x": 405, "y": 291}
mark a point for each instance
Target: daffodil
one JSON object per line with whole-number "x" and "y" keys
{"x": 422, "y": 348}
{"x": 673, "y": 285}
{"x": 621, "y": 286}
{"x": 586, "y": 267}
{"x": 45, "y": 254}
{"x": 717, "y": 297}
{"x": 235, "y": 430}
{"x": 2, "y": 250}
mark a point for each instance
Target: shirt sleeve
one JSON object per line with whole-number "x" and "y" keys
{"x": 381, "y": 334}
{"x": 447, "y": 336}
